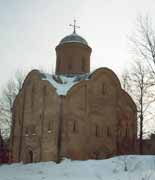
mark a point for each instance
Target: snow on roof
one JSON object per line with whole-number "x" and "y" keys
{"x": 63, "y": 83}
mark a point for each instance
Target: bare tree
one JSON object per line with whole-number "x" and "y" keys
{"x": 6, "y": 101}
{"x": 139, "y": 85}
{"x": 144, "y": 42}
{"x": 126, "y": 81}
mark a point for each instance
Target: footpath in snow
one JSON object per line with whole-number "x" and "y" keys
{"x": 117, "y": 168}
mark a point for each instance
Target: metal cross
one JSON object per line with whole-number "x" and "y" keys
{"x": 74, "y": 26}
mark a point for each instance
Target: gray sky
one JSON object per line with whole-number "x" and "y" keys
{"x": 31, "y": 29}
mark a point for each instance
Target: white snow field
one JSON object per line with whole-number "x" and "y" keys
{"x": 117, "y": 168}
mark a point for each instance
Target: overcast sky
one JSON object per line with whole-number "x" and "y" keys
{"x": 31, "y": 29}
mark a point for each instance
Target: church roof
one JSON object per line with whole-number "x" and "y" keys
{"x": 74, "y": 37}
{"x": 63, "y": 83}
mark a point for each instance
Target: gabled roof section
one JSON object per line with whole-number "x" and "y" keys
{"x": 63, "y": 83}
{"x": 108, "y": 72}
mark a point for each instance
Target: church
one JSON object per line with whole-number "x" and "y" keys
{"x": 73, "y": 113}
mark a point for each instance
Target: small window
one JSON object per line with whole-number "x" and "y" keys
{"x": 75, "y": 126}
{"x": 126, "y": 132}
{"x": 103, "y": 89}
{"x": 108, "y": 131}
{"x": 83, "y": 65}
{"x": 96, "y": 130}
{"x": 45, "y": 90}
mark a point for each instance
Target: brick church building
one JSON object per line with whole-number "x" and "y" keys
{"x": 73, "y": 113}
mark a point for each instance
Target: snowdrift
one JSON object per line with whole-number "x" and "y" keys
{"x": 117, "y": 168}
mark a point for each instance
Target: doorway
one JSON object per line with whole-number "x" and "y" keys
{"x": 29, "y": 156}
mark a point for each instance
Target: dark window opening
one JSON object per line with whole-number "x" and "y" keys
{"x": 103, "y": 89}
{"x": 45, "y": 90}
{"x": 75, "y": 126}
{"x": 126, "y": 132}
{"x": 30, "y": 156}
{"x": 83, "y": 65}
{"x": 108, "y": 131}
{"x": 96, "y": 130}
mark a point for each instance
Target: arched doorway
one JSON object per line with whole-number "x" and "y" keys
{"x": 29, "y": 156}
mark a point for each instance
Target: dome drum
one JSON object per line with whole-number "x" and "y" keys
{"x": 73, "y": 56}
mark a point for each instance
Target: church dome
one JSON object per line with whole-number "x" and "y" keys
{"x": 73, "y": 38}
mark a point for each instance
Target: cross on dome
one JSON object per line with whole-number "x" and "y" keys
{"x": 74, "y": 26}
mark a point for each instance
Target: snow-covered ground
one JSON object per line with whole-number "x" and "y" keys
{"x": 117, "y": 168}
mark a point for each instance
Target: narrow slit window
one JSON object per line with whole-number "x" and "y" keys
{"x": 83, "y": 64}
{"x": 108, "y": 131}
{"x": 103, "y": 89}
{"x": 75, "y": 126}
{"x": 96, "y": 130}
{"x": 45, "y": 90}
{"x": 126, "y": 132}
